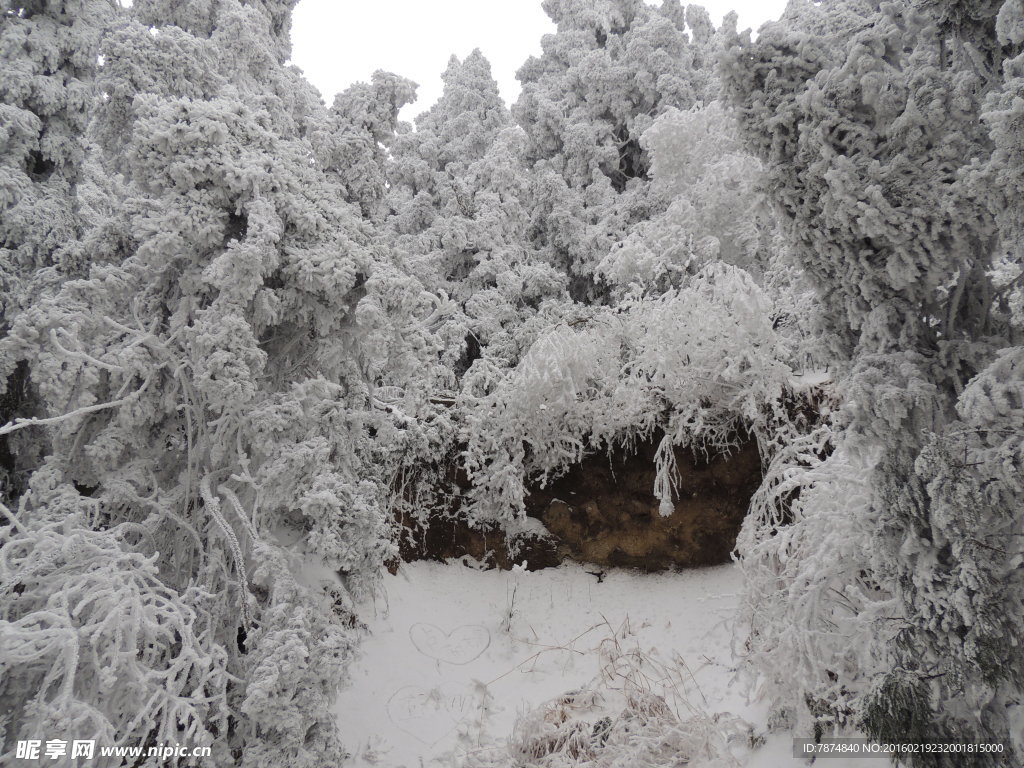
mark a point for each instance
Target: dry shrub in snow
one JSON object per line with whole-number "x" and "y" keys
{"x": 640, "y": 711}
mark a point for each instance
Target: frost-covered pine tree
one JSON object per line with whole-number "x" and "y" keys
{"x": 610, "y": 69}
{"x": 183, "y": 564}
{"x": 881, "y": 155}
{"x": 461, "y": 196}
{"x": 362, "y": 126}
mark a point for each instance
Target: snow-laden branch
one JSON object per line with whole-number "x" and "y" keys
{"x": 17, "y": 424}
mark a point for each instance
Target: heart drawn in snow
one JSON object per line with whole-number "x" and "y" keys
{"x": 460, "y": 646}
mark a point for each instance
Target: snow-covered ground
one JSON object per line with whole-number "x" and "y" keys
{"x": 456, "y": 654}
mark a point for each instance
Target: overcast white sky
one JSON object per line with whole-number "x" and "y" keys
{"x": 339, "y": 43}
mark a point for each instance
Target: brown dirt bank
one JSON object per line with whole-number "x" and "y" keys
{"x": 603, "y": 511}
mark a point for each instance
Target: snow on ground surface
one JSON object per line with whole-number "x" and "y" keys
{"x": 454, "y": 654}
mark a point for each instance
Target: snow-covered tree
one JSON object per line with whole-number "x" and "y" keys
{"x": 460, "y": 197}
{"x": 880, "y": 164}
{"x": 716, "y": 211}
{"x": 610, "y": 69}
{"x": 211, "y": 397}
{"x": 362, "y": 124}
